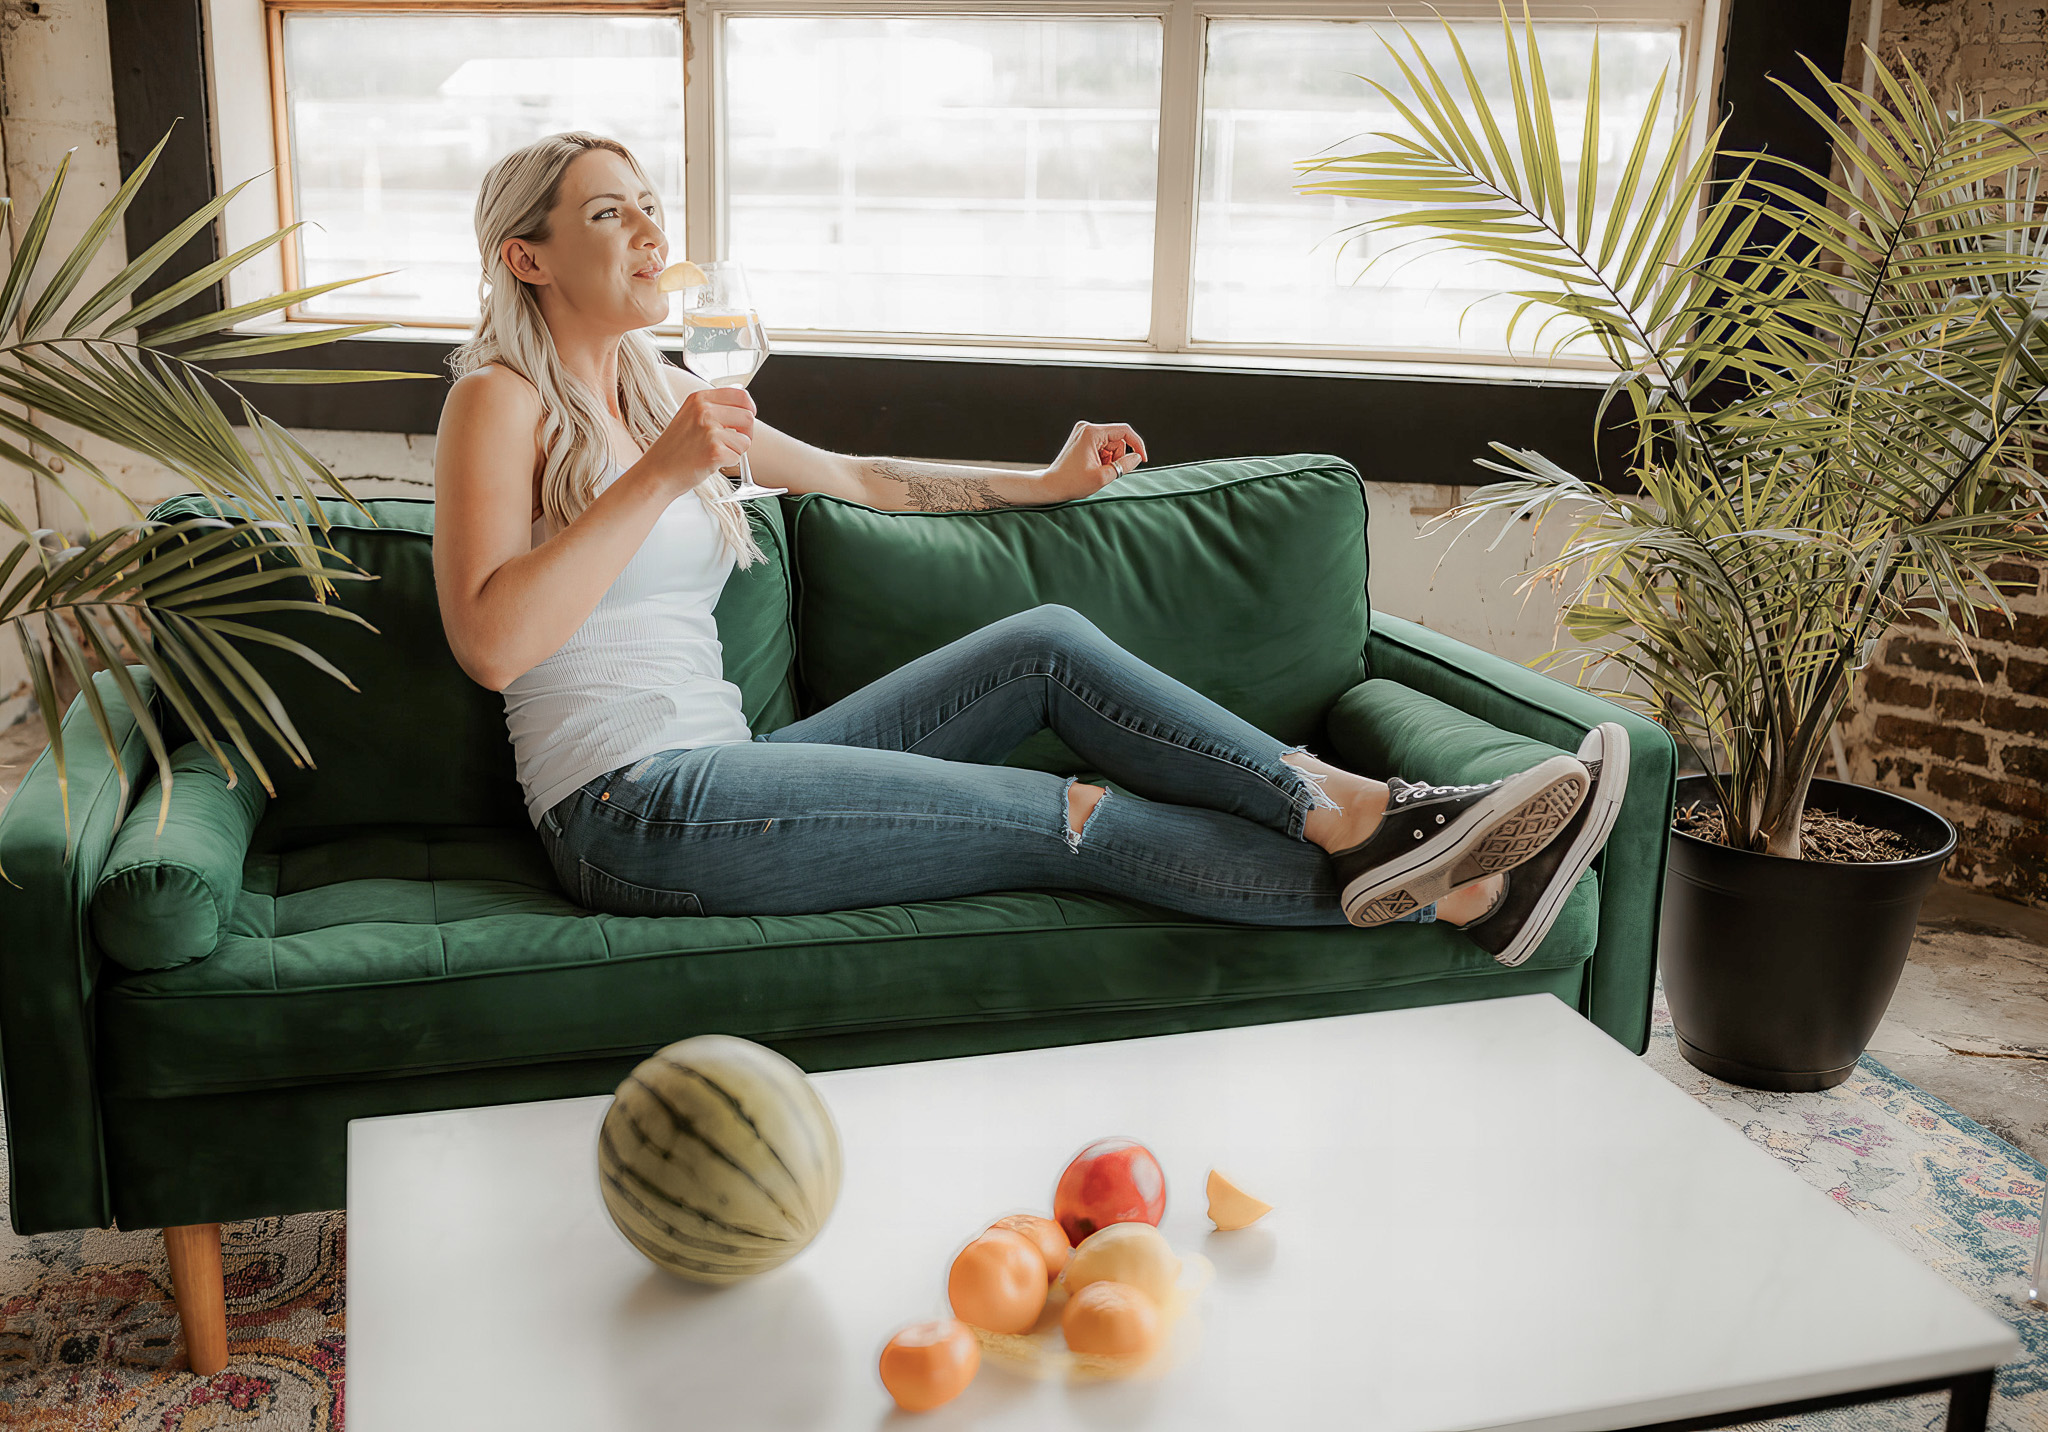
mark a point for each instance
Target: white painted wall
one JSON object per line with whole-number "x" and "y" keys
{"x": 59, "y": 95}
{"x": 1434, "y": 573}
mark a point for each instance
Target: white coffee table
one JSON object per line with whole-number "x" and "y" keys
{"x": 1488, "y": 1215}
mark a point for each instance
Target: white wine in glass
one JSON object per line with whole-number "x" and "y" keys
{"x": 723, "y": 341}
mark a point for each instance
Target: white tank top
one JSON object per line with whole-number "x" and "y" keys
{"x": 644, "y": 673}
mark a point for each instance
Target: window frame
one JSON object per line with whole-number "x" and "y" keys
{"x": 1702, "y": 25}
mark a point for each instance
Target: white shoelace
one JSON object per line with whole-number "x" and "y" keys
{"x": 1423, "y": 792}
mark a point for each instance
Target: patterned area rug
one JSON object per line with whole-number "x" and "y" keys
{"x": 89, "y": 1336}
{"x": 1941, "y": 1186}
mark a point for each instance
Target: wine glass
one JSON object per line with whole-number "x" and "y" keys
{"x": 725, "y": 345}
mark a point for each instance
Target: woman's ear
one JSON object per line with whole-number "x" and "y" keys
{"x": 524, "y": 262}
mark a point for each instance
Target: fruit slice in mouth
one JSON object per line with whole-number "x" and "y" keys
{"x": 680, "y": 275}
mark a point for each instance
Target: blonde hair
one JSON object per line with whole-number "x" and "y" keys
{"x": 513, "y": 203}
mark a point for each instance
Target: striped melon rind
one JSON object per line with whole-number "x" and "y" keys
{"x": 717, "y": 1159}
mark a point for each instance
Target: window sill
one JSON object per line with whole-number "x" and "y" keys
{"x": 1492, "y": 371}
{"x": 1397, "y": 422}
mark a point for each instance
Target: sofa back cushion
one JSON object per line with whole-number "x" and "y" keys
{"x": 418, "y": 741}
{"x": 1246, "y": 579}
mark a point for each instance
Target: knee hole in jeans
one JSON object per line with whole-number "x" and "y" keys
{"x": 1081, "y": 803}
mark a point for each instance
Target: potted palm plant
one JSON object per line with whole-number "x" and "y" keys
{"x": 1833, "y": 390}
{"x": 162, "y": 595}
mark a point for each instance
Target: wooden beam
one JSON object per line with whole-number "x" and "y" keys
{"x": 159, "y": 63}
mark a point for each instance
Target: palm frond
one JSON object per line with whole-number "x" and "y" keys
{"x": 1833, "y": 427}
{"x": 177, "y": 600}
{"x": 30, "y": 249}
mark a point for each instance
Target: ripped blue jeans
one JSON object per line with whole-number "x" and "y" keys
{"x": 890, "y": 795}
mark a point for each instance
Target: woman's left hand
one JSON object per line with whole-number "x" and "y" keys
{"x": 1096, "y": 455}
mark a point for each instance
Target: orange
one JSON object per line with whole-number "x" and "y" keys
{"x": 929, "y": 1364}
{"x": 1049, "y": 1236}
{"x": 1111, "y": 1320}
{"x": 998, "y": 1282}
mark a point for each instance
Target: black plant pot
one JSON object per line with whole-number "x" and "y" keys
{"x": 1778, "y": 971}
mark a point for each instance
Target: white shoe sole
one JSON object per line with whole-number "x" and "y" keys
{"x": 1505, "y": 828}
{"x": 1606, "y": 743}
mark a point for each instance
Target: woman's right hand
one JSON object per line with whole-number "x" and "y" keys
{"x": 711, "y": 429}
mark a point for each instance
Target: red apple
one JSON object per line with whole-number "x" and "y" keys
{"x": 1110, "y": 1181}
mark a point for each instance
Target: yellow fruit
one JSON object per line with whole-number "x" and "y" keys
{"x": 1110, "y": 1319}
{"x": 680, "y": 275}
{"x": 1230, "y": 1206}
{"x": 1133, "y": 1253}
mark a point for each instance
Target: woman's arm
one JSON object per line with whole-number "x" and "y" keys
{"x": 1095, "y": 455}
{"x": 506, "y": 604}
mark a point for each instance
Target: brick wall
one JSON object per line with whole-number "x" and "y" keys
{"x": 1974, "y": 746}
{"x": 1994, "y": 48}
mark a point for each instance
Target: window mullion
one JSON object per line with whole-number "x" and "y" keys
{"x": 701, "y": 134}
{"x": 1180, "y": 137}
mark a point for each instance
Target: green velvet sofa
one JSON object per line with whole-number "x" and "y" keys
{"x": 398, "y": 941}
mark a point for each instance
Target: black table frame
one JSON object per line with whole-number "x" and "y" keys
{"x": 1969, "y": 1404}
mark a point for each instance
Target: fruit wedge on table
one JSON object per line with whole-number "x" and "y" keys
{"x": 1230, "y": 1206}
{"x": 679, "y": 275}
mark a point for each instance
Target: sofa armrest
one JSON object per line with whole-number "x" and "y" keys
{"x": 1623, "y": 972}
{"x": 49, "y": 1085}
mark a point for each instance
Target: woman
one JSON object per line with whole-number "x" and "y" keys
{"x": 578, "y": 559}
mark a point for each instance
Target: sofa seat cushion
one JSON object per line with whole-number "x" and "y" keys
{"x": 410, "y": 951}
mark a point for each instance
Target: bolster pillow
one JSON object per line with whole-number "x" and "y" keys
{"x": 164, "y": 900}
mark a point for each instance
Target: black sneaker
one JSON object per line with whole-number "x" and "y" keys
{"x": 1435, "y": 838}
{"x": 1537, "y": 890}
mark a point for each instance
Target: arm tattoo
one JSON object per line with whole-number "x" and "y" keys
{"x": 932, "y": 487}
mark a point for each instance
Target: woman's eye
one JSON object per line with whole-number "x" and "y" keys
{"x": 648, "y": 210}
{"x": 605, "y": 214}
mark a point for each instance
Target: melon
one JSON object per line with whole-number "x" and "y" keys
{"x": 717, "y": 1159}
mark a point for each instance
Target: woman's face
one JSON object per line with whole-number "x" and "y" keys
{"x": 603, "y": 251}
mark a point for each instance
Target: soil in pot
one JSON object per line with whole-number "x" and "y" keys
{"x": 1823, "y": 835}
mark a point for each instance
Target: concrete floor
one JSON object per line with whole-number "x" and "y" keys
{"x": 1969, "y": 1023}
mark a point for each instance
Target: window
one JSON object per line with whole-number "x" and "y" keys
{"x": 1276, "y": 267}
{"x": 971, "y": 177}
{"x": 394, "y": 118}
{"x": 1097, "y": 176}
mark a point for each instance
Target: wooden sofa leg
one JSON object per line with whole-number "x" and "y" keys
{"x": 194, "y": 1250}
